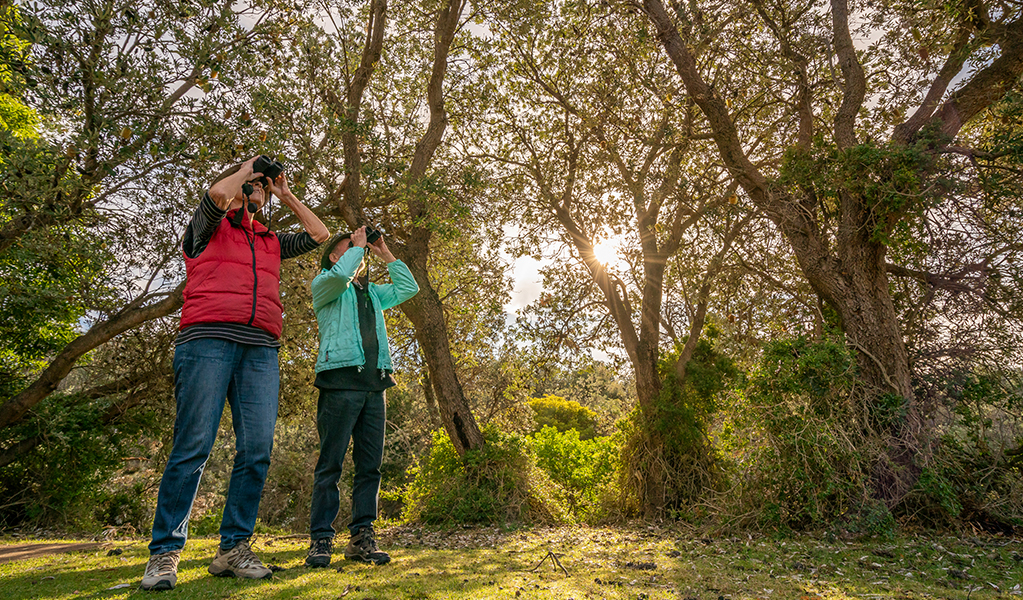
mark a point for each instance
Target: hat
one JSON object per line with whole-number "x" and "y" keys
{"x": 325, "y": 262}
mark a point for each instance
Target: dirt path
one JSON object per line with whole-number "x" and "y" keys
{"x": 23, "y": 551}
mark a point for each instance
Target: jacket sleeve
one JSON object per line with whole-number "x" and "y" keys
{"x": 402, "y": 287}
{"x": 331, "y": 283}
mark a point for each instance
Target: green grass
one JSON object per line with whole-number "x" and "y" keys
{"x": 479, "y": 564}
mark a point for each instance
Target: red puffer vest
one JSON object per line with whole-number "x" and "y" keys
{"x": 236, "y": 278}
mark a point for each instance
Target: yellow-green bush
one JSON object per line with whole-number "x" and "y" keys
{"x": 584, "y": 469}
{"x": 555, "y": 411}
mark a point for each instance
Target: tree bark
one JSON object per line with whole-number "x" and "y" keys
{"x": 426, "y": 312}
{"x": 431, "y": 400}
{"x": 853, "y": 278}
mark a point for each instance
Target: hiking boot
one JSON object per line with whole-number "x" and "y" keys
{"x": 239, "y": 561}
{"x": 363, "y": 547}
{"x": 319, "y": 553}
{"x": 162, "y": 571}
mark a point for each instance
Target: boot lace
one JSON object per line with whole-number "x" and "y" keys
{"x": 323, "y": 546}
{"x": 368, "y": 541}
{"x": 163, "y": 563}
{"x": 245, "y": 557}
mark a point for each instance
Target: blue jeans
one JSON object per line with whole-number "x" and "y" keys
{"x": 206, "y": 372}
{"x": 343, "y": 415}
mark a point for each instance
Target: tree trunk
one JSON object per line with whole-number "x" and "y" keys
{"x": 426, "y": 312}
{"x": 853, "y": 281}
{"x": 431, "y": 400}
{"x": 859, "y": 294}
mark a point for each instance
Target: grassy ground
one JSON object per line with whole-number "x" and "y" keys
{"x": 613, "y": 563}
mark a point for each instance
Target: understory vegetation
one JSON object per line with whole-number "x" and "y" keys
{"x": 785, "y": 447}
{"x": 746, "y": 268}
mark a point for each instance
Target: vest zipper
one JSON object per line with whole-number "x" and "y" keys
{"x": 255, "y": 277}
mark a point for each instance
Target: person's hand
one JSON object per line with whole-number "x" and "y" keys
{"x": 246, "y": 169}
{"x": 279, "y": 187}
{"x": 379, "y": 248}
{"x": 359, "y": 237}
{"x": 228, "y": 190}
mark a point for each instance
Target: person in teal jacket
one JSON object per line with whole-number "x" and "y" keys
{"x": 353, "y": 370}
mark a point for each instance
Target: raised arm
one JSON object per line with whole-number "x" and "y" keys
{"x": 224, "y": 191}
{"x": 316, "y": 229}
{"x": 331, "y": 283}
{"x": 403, "y": 284}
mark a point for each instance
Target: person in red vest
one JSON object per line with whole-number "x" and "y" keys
{"x": 226, "y": 349}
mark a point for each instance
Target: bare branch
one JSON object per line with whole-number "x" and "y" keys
{"x": 852, "y": 72}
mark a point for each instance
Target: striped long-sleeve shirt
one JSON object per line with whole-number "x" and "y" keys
{"x": 197, "y": 236}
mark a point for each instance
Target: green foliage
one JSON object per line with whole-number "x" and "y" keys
{"x": 42, "y": 280}
{"x": 495, "y": 484}
{"x": 873, "y": 519}
{"x": 795, "y": 439}
{"x": 206, "y": 524}
{"x": 563, "y": 415}
{"x": 60, "y": 481}
{"x": 890, "y": 179}
{"x": 673, "y": 439}
{"x": 601, "y": 387}
{"x": 126, "y": 507}
{"x": 584, "y": 468}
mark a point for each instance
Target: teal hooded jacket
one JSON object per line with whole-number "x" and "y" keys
{"x": 337, "y": 312}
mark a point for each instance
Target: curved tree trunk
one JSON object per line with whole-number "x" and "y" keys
{"x": 131, "y": 316}
{"x": 427, "y": 315}
{"x": 425, "y": 310}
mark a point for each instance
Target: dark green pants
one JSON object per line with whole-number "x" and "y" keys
{"x": 343, "y": 416}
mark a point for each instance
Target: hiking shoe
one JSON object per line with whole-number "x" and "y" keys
{"x": 239, "y": 561}
{"x": 319, "y": 553}
{"x": 162, "y": 571}
{"x": 363, "y": 547}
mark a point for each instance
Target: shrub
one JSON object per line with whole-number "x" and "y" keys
{"x": 58, "y": 483}
{"x": 976, "y": 471}
{"x": 797, "y": 440}
{"x": 670, "y": 440}
{"x": 585, "y": 469}
{"x": 563, "y": 415}
{"x": 496, "y": 483}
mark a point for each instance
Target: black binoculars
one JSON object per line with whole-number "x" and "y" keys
{"x": 372, "y": 235}
{"x": 268, "y": 168}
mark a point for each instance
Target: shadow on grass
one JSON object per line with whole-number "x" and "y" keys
{"x": 666, "y": 568}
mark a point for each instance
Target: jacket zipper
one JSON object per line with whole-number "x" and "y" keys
{"x": 255, "y": 277}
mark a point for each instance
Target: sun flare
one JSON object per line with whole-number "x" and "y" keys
{"x": 606, "y": 252}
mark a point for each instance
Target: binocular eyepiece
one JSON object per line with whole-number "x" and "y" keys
{"x": 372, "y": 235}
{"x": 267, "y": 168}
